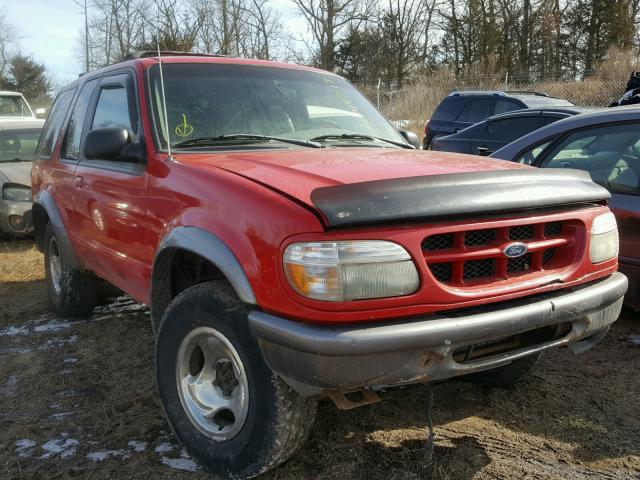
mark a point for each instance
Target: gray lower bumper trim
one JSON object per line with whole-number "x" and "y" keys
{"x": 441, "y": 330}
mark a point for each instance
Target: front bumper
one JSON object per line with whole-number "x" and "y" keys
{"x": 313, "y": 358}
{"x": 15, "y": 217}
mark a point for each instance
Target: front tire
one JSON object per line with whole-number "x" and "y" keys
{"x": 72, "y": 292}
{"x": 224, "y": 404}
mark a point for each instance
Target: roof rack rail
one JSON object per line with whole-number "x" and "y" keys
{"x": 527, "y": 92}
{"x": 168, "y": 53}
{"x": 460, "y": 93}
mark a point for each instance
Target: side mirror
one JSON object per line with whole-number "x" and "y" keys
{"x": 411, "y": 138}
{"x": 107, "y": 144}
{"x": 41, "y": 112}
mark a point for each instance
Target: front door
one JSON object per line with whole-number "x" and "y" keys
{"x": 110, "y": 194}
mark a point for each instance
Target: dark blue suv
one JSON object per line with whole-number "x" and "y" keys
{"x": 462, "y": 109}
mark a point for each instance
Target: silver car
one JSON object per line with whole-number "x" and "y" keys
{"x": 18, "y": 140}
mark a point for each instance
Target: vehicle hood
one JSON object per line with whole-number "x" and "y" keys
{"x": 298, "y": 172}
{"x": 15, "y": 172}
{"x": 358, "y": 186}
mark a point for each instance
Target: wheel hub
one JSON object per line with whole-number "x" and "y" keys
{"x": 212, "y": 383}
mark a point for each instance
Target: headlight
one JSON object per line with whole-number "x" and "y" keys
{"x": 350, "y": 270}
{"x": 16, "y": 193}
{"x": 604, "y": 238}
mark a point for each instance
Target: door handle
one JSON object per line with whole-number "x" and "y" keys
{"x": 483, "y": 150}
{"x": 79, "y": 181}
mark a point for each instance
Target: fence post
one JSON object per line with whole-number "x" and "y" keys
{"x": 378, "y": 95}
{"x": 506, "y": 81}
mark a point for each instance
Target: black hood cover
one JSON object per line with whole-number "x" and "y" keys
{"x": 441, "y": 197}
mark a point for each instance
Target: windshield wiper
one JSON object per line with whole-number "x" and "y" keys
{"x": 211, "y": 141}
{"x": 358, "y": 136}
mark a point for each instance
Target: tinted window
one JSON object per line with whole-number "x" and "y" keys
{"x": 18, "y": 144}
{"x": 71, "y": 146}
{"x": 448, "y": 109}
{"x": 52, "y": 127}
{"x": 511, "y": 128}
{"x": 610, "y": 154}
{"x": 112, "y": 109}
{"x": 503, "y": 106}
{"x": 475, "y": 110}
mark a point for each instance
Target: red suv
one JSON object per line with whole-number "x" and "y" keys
{"x": 293, "y": 246}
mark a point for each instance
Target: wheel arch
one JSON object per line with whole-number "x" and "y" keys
{"x": 46, "y": 211}
{"x": 189, "y": 244}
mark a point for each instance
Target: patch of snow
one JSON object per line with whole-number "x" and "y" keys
{"x": 10, "y": 387}
{"x": 104, "y": 454}
{"x": 180, "y": 463}
{"x": 12, "y": 331}
{"x": 66, "y": 371}
{"x": 59, "y": 416}
{"x": 53, "y": 326}
{"x": 59, "y": 342}
{"x": 24, "y": 447}
{"x": 70, "y": 360}
{"x": 164, "y": 447}
{"x": 137, "y": 446}
{"x": 635, "y": 339}
{"x": 65, "y": 447}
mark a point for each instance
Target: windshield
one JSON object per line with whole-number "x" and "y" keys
{"x": 212, "y": 100}
{"x": 14, "y": 106}
{"x": 18, "y": 145}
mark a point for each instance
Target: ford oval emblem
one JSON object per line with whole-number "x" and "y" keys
{"x": 514, "y": 250}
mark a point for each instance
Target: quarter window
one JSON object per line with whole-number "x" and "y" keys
{"x": 503, "y": 106}
{"x": 53, "y": 125}
{"x": 71, "y": 146}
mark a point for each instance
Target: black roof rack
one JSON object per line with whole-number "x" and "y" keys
{"x": 464, "y": 93}
{"x": 527, "y": 92}
{"x": 169, "y": 53}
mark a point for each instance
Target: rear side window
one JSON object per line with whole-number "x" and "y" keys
{"x": 475, "y": 110}
{"x": 52, "y": 127}
{"x": 71, "y": 145}
{"x": 448, "y": 109}
{"x": 112, "y": 110}
{"x": 504, "y": 106}
{"x": 511, "y": 128}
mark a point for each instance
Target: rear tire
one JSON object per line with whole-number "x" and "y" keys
{"x": 506, "y": 376}
{"x": 225, "y": 406}
{"x": 72, "y": 292}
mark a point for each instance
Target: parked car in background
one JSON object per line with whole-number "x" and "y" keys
{"x": 607, "y": 145}
{"x": 462, "y": 109}
{"x": 14, "y": 105}
{"x": 487, "y": 136}
{"x": 18, "y": 140}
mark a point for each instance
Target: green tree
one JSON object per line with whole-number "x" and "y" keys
{"x": 29, "y": 77}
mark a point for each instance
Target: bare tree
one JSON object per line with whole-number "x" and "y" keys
{"x": 8, "y": 34}
{"x": 327, "y": 19}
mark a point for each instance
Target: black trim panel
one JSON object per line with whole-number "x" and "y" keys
{"x": 438, "y": 197}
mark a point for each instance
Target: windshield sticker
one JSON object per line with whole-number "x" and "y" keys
{"x": 184, "y": 129}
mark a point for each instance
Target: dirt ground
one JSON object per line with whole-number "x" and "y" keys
{"x": 77, "y": 400}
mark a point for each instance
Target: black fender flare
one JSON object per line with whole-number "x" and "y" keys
{"x": 205, "y": 244}
{"x": 44, "y": 201}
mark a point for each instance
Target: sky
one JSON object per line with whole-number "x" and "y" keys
{"x": 49, "y": 31}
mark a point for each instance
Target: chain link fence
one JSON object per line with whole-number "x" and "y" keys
{"x": 413, "y": 104}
